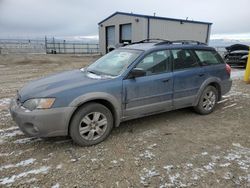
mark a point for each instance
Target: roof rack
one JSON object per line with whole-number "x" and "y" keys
{"x": 152, "y": 40}
{"x": 163, "y": 42}
{"x": 188, "y": 42}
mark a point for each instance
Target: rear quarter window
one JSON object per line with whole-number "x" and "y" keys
{"x": 208, "y": 57}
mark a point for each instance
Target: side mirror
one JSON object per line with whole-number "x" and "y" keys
{"x": 136, "y": 72}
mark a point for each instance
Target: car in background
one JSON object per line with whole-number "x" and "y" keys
{"x": 141, "y": 79}
{"x": 237, "y": 55}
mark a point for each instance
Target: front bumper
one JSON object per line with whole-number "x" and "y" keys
{"x": 42, "y": 123}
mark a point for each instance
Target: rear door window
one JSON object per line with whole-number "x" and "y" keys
{"x": 208, "y": 57}
{"x": 184, "y": 59}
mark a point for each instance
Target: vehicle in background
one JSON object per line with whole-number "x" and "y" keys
{"x": 237, "y": 55}
{"x": 145, "y": 78}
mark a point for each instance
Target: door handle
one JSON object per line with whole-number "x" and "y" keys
{"x": 166, "y": 80}
{"x": 202, "y": 74}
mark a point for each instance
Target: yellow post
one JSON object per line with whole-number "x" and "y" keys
{"x": 247, "y": 72}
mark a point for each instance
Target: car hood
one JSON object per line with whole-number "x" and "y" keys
{"x": 51, "y": 85}
{"x": 237, "y": 47}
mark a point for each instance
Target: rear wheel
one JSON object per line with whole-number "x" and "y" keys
{"x": 207, "y": 101}
{"x": 91, "y": 124}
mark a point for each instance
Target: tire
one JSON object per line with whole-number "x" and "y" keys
{"x": 207, "y": 101}
{"x": 91, "y": 124}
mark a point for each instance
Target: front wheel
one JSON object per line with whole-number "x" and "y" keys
{"x": 91, "y": 124}
{"x": 207, "y": 101}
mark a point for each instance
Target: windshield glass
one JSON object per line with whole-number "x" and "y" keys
{"x": 114, "y": 63}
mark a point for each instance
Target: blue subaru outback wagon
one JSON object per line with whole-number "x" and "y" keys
{"x": 133, "y": 81}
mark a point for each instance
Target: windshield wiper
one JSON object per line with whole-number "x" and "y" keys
{"x": 93, "y": 72}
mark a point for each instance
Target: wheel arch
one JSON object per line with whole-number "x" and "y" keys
{"x": 106, "y": 100}
{"x": 215, "y": 82}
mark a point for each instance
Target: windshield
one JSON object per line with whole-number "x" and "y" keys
{"x": 114, "y": 63}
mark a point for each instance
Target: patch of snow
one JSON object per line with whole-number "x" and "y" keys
{"x": 147, "y": 155}
{"x": 59, "y": 166}
{"x": 9, "y": 129}
{"x": 152, "y": 146}
{"x": 9, "y": 133}
{"x": 209, "y": 167}
{"x": 22, "y": 163}
{"x": 6, "y": 154}
{"x": 215, "y": 158}
{"x": 232, "y": 156}
{"x": 204, "y": 153}
{"x": 27, "y": 140}
{"x": 94, "y": 160}
{"x": 237, "y": 145}
{"x": 239, "y": 74}
{"x": 4, "y": 102}
{"x": 168, "y": 167}
{"x": 147, "y": 174}
{"x": 229, "y": 106}
{"x": 12, "y": 179}
{"x": 56, "y": 185}
{"x": 150, "y": 133}
{"x": 228, "y": 175}
{"x": 173, "y": 178}
{"x": 114, "y": 161}
{"x": 225, "y": 164}
{"x": 222, "y": 101}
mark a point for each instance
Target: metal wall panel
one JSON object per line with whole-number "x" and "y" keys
{"x": 175, "y": 30}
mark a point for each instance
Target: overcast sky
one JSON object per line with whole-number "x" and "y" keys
{"x": 80, "y": 17}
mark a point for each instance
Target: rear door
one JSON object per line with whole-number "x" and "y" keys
{"x": 151, "y": 93}
{"x": 213, "y": 64}
{"x": 188, "y": 76}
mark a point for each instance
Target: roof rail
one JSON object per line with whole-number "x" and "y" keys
{"x": 188, "y": 42}
{"x": 152, "y": 40}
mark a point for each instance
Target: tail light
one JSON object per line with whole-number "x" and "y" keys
{"x": 228, "y": 69}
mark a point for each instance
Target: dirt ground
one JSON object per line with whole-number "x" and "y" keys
{"x": 173, "y": 149}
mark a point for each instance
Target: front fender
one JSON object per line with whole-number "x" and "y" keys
{"x": 100, "y": 96}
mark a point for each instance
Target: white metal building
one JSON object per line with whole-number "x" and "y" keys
{"x": 123, "y": 27}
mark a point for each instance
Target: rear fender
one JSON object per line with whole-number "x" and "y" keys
{"x": 204, "y": 85}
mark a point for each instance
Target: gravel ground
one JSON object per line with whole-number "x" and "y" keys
{"x": 174, "y": 149}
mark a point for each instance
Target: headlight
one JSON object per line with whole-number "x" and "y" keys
{"x": 42, "y": 103}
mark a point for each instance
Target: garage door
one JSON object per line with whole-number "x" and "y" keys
{"x": 110, "y": 38}
{"x": 125, "y": 33}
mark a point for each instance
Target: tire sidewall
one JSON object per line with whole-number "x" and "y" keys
{"x": 199, "y": 107}
{"x": 77, "y": 117}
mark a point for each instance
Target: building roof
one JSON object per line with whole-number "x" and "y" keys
{"x": 154, "y": 17}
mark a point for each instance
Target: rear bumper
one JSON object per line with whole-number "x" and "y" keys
{"x": 226, "y": 86}
{"x": 42, "y": 123}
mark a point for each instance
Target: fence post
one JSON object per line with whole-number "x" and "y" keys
{"x": 45, "y": 44}
{"x": 64, "y": 46}
{"x": 54, "y": 45}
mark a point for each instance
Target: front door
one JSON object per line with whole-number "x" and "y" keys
{"x": 151, "y": 93}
